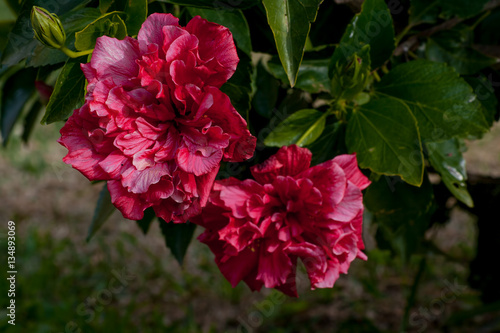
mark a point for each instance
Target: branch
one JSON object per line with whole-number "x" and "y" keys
{"x": 411, "y": 42}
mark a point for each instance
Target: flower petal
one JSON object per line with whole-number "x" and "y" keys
{"x": 350, "y": 165}
{"x": 115, "y": 58}
{"x": 151, "y": 31}
{"x": 216, "y": 49}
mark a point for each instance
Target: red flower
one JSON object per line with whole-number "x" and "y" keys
{"x": 258, "y": 228}
{"x": 155, "y": 124}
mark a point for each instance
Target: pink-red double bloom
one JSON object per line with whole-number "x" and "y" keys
{"x": 155, "y": 124}
{"x": 257, "y": 229}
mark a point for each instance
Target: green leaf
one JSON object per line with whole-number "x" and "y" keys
{"x": 266, "y": 92}
{"x": 442, "y": 102}
{"x": 13, "y": 5}
{"x": 30, "y": 120}
{"x": 423, "y": 11}
{"x": 145, "y": 223}
{"x": 485, "y": 95}
{"x": 137, "y": 12}
{"x": 109, "y": 24}
{"x": 402, "y": 212}
{"x": 21, "y": 42}
{"x": 372, "y": 26}
{"x": 290, "y": 21}
{"x": 6, "y": 14}
{"x": 234, "y": 20}
{"x": 446, "y": 157}
{"x": 16, "y": 90}
{"x": 463, "y": 8}
{"x": 103, "y": 210}
{"x": 177, "y": 237}
{"x": 385, "y": 137}
{"x": 239, "y": 86}
{"x": 453, "y": 48}
{"x": 104, "y": 5}
{"x": 68, "y": 93}
{"x": 329, "y": 144}
{"x": 5, "y": 28}
{"x": 225, "y": 5}
{"x": 312, "y": 76}
{"x": 301, "y": 128}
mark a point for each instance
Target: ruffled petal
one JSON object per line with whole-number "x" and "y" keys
{"x": 216, "y": 49}
{"x": 350, "y": 165}
{"x": 151, "y": 31}
{"x": 115, "y": 58}
{"x": 288, "y": 161}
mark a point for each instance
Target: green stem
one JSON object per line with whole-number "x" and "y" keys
{"x": 412, "y": 54}
{"x": 310, "y": 129}
{"x": 413, "y": 293}
{"x": 403, "y": 33}
{"x": 376, "y": 76}
{"x": 479, "y": 20}
{"x": 73, "y": 54}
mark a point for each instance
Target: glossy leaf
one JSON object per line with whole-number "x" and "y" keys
{"x": 384, "y": 135}
{"x": 103, "y": 210}
{"x": 312, "y": 76}
{"x": 109, "y": 24}
{"x": 446, "y": 157}
{"x": 234, "y": 20}
{"x": 463, "y": 8}
{"x": 145, "y": 223}
{"x": 266, "y": 92}
{"x": 290, "y": 21}
{"x": 301, "y": 128}
{"x": 485, "y": 95}
{"x": 137, "y": 12}
{"x": 443, "y": 103}
{"x": 177, "y": 237}
{"x": 453, "y": 48}
{"x": 372, "y": 26}
{"x": 239, "y": 86}
{"x": 329, "y": 144}
{"x": 68, "y": 93}
{"x": 16, "y": 90}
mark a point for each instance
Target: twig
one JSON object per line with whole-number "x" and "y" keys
{"x": 410, "y": 43}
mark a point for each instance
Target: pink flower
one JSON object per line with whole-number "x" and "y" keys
{"x": 155, "y": 124}
{"x": 258, "y": 228}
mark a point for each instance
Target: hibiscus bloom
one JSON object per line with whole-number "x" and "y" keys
{"x": 257, "y": 229}
{"x": 155, "y": 124}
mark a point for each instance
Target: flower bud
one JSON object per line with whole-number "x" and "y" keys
{"x": 47, "y": 27}
{"x": 350, "y": 78}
